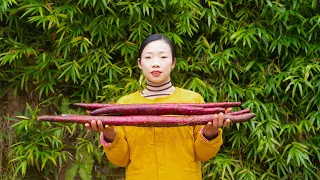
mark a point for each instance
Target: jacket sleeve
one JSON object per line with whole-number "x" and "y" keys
{"x": 118, "y": 151}
{"x": 204, "y": 149}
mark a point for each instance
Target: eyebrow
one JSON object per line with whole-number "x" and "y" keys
{"x": 159, "y": 52}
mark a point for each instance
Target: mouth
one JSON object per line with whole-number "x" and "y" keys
{"x": 156, "y": 73}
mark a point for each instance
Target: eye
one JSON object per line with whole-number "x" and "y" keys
{"x": 147, "y": 57}
{"x": 164, "y": 57}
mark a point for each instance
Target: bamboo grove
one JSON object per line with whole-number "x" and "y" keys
{"x": 262, "y": 53}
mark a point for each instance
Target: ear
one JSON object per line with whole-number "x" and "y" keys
{"x": 139, "y": 63}
{"x": 173, "y": 63}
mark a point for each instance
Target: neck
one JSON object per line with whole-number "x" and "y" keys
{"x": 154, "y": 90}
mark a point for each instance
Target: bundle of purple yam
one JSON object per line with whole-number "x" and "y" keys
{"x": 154, "y": 115}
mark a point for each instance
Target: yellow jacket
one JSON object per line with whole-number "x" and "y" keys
{"x": 168, "y": 153}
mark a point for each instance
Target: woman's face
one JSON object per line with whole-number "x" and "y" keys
{"x": 156, "y": 61}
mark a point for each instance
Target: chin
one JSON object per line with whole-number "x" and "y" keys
{"x": 157, "y": 80}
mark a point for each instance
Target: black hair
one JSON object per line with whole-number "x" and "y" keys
{"x": 155, "y": 37}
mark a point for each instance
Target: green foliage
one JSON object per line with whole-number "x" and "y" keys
{"x": 82, "y": 166}
{"x": 262, "y": 53}
{"x": 38, "y": 144}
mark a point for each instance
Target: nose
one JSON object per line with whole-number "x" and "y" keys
{"x": 155, "y": 62}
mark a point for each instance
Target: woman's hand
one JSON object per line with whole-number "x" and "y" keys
{"x": 108, "y": 131}
{"x": 212, "y": 128}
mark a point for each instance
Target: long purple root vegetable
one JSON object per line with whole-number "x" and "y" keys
{"x": 147, "y": 120}
{"x": 240, "y": 112}
{"x": 155, "y": 109}
{"x": 93, "y": 106}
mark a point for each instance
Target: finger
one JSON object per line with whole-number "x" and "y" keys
{"x": 209, "y": 124}
{"x": 215, "y": 120}
{"x": 228, "y": 110}
{"x": 226, "y": 123}
{"x": 100, "y": 125}
{"x": 87, "y": 125}
{"x": 94, "y": 125}
{"x": 221, "y": 119}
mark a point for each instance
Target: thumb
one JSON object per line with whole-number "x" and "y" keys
{"x": 228, "y": 110}
{"x": 226, "y": 123}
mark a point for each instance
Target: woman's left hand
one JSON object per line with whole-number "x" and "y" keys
{"x": 212, "y": 128}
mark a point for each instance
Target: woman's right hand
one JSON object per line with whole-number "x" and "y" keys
{"x": 108, "y": 131}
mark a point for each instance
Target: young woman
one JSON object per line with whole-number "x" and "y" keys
{"x": 161, "y": 152}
